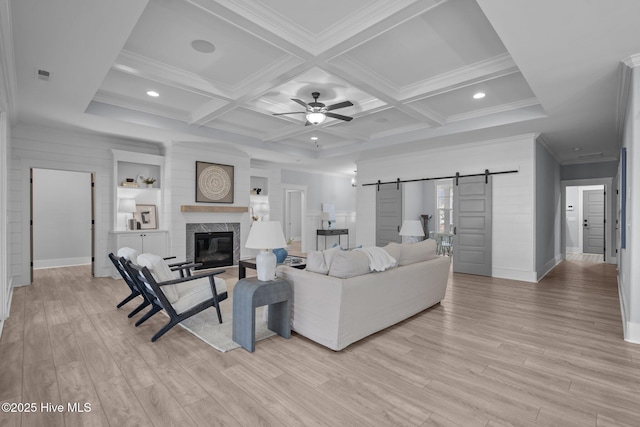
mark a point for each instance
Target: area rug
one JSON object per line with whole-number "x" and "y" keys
{"x": 205, "y": 326}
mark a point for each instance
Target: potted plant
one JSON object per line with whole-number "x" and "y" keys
{"x": 149, "y": 181}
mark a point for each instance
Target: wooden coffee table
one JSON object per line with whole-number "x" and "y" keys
{"x": 243, "y": 264}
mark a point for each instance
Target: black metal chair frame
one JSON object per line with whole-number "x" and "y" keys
{"x": 144, "y": 276}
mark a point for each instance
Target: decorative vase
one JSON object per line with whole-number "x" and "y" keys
{"x": 281, "y": 254}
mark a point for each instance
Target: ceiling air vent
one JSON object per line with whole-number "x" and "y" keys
{"x": 43, "y": 75}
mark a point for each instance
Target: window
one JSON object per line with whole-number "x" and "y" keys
{"x": 444, "y": 205}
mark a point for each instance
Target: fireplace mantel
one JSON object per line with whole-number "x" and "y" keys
{"x": 221, "y": 209}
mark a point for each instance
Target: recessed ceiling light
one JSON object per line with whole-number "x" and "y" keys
{"x": 479, "y": 95}
{"x": 314, "y": 138}
{"x": 203, "y": 46}
{"x": 577, "y": 148}
{"x": 153, "y": 93}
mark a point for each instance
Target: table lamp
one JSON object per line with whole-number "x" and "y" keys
{"x": 266, "y": 235}
{"x": 128, "y": 206}
{"x": 325, "y": 217}
{"x": 411, "y": 230}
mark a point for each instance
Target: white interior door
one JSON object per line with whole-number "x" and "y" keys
{"x": 593, "y": 222}
{"x": 472, "y": 226}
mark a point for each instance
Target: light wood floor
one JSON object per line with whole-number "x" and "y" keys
{"x": 494, "y": 353}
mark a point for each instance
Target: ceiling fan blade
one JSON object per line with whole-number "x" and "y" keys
{"x": 295, "y": 112}
{"x": 339, "y": 116}
{"x": 301, "y": 102}
{"x": 339, "y": 105}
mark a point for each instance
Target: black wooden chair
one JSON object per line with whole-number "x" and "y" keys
{"x": 180, "y": 297}
{"x": 129, "y": 281}
{"x": 137, "y": 289}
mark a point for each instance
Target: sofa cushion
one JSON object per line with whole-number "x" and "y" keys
{"x": 315, "y": 262}
{"x": 349, "y": 264}
{"x": 417, "y": 252}
{"x": 394, "y": 249}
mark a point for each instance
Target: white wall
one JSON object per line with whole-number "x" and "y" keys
{"x": 61, "y": 218}
{"x": 72, "y": 151}
{"x": 548, "y": 211}
{"x": 180, "y": 173}
{"x": 513, "y": 194}
{"x": 572, "y": 221}
{"x": 629, "y": 268}
{"x": 5, "y": 279}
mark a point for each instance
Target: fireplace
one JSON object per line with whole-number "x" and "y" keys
{"x": 213, "y": 249}
{"x": 222, "y": 229}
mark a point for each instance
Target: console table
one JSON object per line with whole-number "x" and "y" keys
{"x": 251, "y": 293}
{"x": 335, "y": 232}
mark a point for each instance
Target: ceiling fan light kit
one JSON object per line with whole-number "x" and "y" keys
{"x": 317, "y": 112}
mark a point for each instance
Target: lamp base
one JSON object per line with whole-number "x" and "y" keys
{"x": 266, "y": 266}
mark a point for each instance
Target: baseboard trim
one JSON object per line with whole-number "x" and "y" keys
{"x": 505, "y": 273}
{"x": 62, "y": 262}
{"x": 632, "y": 334}
{"x": 550, "y": 266}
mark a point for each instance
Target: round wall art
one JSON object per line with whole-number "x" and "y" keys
{"x": 214, "y": 183}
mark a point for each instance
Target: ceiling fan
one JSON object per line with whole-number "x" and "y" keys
{"x": 316, "y": 112}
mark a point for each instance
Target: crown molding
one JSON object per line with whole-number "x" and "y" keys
{"x": 135, "y": 104}
{"x": 8, "y": 78}
{"x": 141, "y": 66}
{"x": 494, "y": 110}
{"x": 301, "y": 37}
{"x": 498, "y": 66}
{"x": 626, "y": 72}
{"x": 542, "y": 139}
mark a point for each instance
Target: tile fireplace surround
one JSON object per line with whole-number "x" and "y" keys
{"x": 193, "y": 228}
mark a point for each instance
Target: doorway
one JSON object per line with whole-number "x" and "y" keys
{"x": 62, "y": 219}
{"x": 295, "y": 211}
{"x": 585, "y": 218}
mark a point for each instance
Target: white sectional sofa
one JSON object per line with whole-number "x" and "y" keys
{"x": 338, "y": 311}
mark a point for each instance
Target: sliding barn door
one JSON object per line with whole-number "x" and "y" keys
{"x": 472, "y": 226}
{"x": 388, "y": 214}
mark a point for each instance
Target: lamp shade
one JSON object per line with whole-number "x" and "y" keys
{"x": 325, "y": 216}
{"x": 126, "y": 205}
{"x": 266, "y": 235}
{"x": 316, "y": 118}
{"x": 411, "y": 227}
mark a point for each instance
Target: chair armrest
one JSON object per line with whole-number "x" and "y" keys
{"x": 169, "y": 257}
{"x": 188, "y": 278}
{"x": 177, "y": 264}
{"x": 185, "y": 266}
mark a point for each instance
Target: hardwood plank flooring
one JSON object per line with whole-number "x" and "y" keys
{"x": 495, "y": 353}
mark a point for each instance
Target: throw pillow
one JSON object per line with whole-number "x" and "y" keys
{"x": 417, "y": 252}
{"x": 161, "y": 272}
{"x": 393, "y": 249}
{"x": 349, "y": 264}
{"x": 316, "y": 263}
{"x": 329, "y": 254}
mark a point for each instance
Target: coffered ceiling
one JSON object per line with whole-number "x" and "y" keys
{"x": 222, "y": 68}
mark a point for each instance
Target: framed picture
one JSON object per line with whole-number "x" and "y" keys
{"x": 214, "y": 183}
{"x": 147, "y": 217}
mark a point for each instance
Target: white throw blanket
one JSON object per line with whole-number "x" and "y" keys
{"x": 379, "y": 259}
